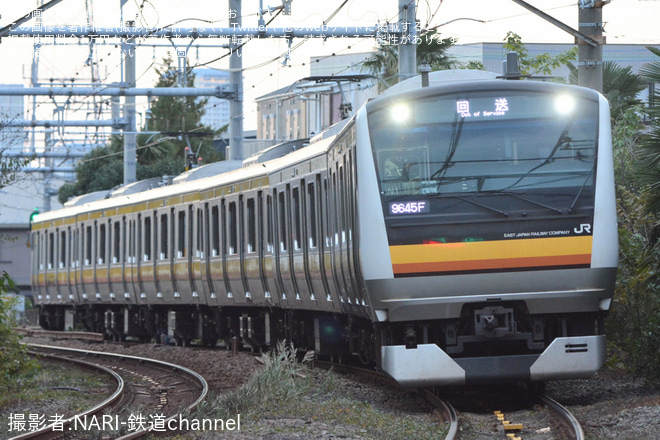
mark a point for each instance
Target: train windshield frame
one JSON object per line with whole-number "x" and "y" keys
{"x": 486, "y": 142}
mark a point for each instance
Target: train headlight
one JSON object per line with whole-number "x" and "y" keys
{"x": 400, "y": 113}
{"x": 564, "y": 104}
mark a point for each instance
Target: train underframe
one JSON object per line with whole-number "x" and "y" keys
{"x": 254, "y": 329}
{"x": 496, "y": 333}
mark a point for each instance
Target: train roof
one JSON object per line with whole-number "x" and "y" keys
{"x": 149, "y": 189}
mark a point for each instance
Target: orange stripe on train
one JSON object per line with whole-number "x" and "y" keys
{"x": 489, "y": 255}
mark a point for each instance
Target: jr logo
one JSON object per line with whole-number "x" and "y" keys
{"x": 584, "y": 228}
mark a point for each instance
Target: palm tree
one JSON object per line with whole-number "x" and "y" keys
{"x": 431, "y": 49}
{"x": 649, "y": 164}
{"x": 620, "y": 86}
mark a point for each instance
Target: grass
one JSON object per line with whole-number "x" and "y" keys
{"x": 54, "y": 388}
{"x": 305, "y": 401}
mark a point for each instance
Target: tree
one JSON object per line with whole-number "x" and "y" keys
{"x": 620, "y": 86}
{"x": 177, "y": 121}
{"x": 649, "y": 169}
{"x": 14, "y": 359}
{"x": 634, "y": 327}
{"x": 431, "y": 49}
{"x": 543, "y": 63}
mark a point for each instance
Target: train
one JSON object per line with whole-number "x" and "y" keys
{"x": 461, "y": 232}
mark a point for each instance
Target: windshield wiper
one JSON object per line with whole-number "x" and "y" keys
{"x": 579, "y": 193}
{"x": 528, "y": 200}
{"x": 563, "y": 139}
{"x": 456, "y": 130}
{"x": 463, "y": 199}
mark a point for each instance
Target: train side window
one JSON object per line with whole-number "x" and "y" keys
{"x": 281, "y": 209}
{"x": 269, "y": 223}
{"x": 102, "y": 241}
{"x": 147, "y": 239}
{"x": 233, "y": 229}
{"x": 296, "y": 218}
{"x": 199, "y": 250}
{"x": 51, "y": 249}
{"x": 215, "y": 231}
{"x": 181, "y": 238}
{"x": 75, "y": 247}
{"x": 163, "y": 237}
{"x": 88, "y": 245}
{"x": 311, "y": 197}
{"x": 251, "y": 226}
{"x": 116, "y": 242}
{"x": 63, "y": 245}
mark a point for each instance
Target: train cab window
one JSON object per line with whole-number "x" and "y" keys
{"x": 233, "y": 229}
{"x": 311, "y": 197}
{"x": 215, "y": 232}
{"x": 163, "y": 237}
{"x": 147, "y": 239}
{"x": 63, "y": 244}
{"x": 251, "y": 226}
{"x": 297, "y": 241}
{"x": 181, "y": 235}
{"x": 281, "y": 209}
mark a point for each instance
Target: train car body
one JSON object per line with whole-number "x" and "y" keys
{"x": 460, "y": 233}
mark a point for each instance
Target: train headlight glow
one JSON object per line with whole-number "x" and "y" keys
{"x": 400, "y": 113}
{"x": 564, "y": 104}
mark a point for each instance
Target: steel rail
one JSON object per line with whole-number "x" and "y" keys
{"x": 448, "y": 412}
{"x": 48, "y": 432}
{"x": 565, "y": 415}
{"x": 160, "y": 364}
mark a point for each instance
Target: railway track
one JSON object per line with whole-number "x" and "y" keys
{"x": 150, "y": 397}
{"x": 562, "y": 423}
{"x": 537, "y": 416}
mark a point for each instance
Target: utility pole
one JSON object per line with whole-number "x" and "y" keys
{"x": 590, "y": 58}
{"x": 236, "y": 80}
{"x": 589, "y": 39}
{"x": 130, "y": 135}
{"x": 407, "y": 48}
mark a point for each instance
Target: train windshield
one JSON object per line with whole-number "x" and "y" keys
{"x": 485, "y": 142}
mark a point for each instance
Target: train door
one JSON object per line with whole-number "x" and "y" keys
{"x": 262, "y": 244}
{"x": 196, "y": 257}
{"x": 283, "y": 246}
{"x": 204, "y": 239}
{"x": 230, "y": 264}
{"x": 131, "y": 282}
{"x": 250, "y": 257}
{"x": 57, "y": 265}
{"x": 216, "y": 269}
{"x": 296, "y": 254}
{"x": 302, "y": 243}
{"x": 314, "y": 243}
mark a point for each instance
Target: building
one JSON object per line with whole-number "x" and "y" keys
{"x": 216, "y": 110}
{"x": 335, "y": 88}
{"x": 12, "y": 108}
{"x": 492, "y": 55}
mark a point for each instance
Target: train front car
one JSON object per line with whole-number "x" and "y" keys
{"x": 488, "y": 231}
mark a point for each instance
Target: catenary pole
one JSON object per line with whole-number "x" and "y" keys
{"x": 236, "y": 80}
{"x": 407, "y": 46}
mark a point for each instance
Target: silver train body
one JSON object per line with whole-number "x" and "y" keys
{"x": 460, "y": 233}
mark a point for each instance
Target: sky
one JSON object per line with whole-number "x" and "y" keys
{"x": 627, "y": 21}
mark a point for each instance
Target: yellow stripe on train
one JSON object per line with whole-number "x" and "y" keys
{"x": 489, "y": 255}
